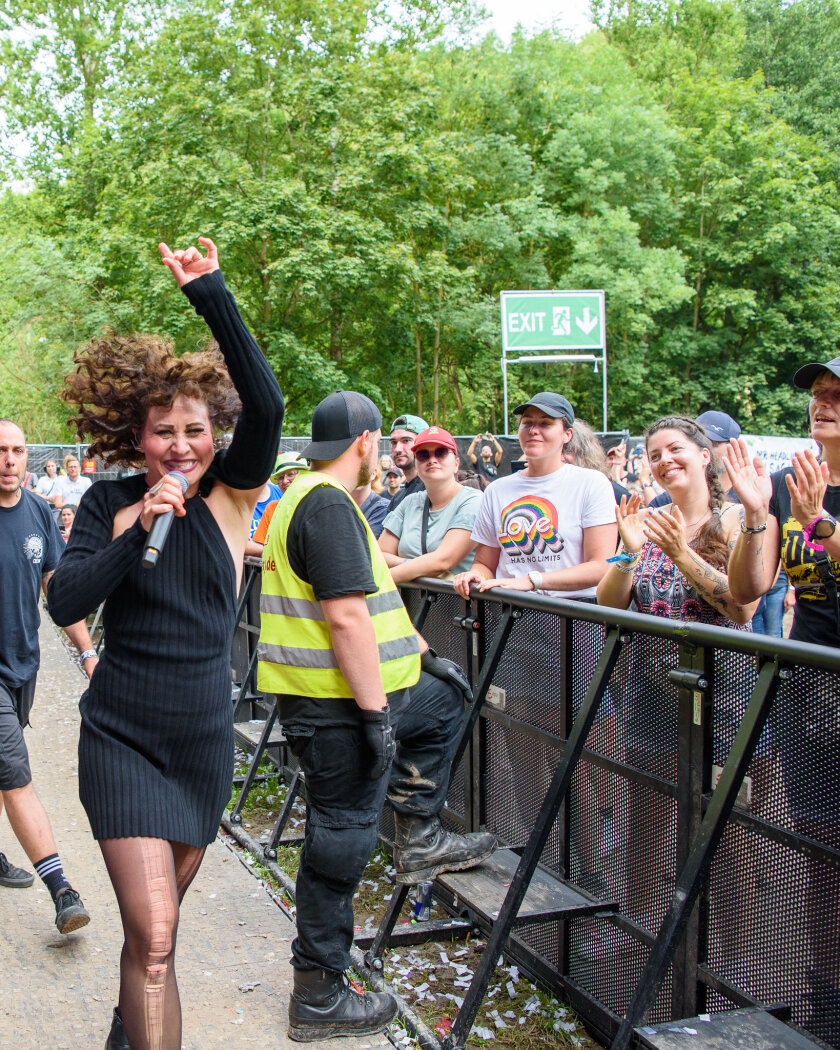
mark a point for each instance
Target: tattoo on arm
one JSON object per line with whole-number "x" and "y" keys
{"x": 714, "y": 583}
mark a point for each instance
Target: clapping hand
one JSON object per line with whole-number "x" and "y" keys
{"x": 188, "y": 263}
{"x": 630, "y": 516}
{"x": 807, "y": 486}
{"x": 750, "y": 480}
{"x": 665, "y": 526}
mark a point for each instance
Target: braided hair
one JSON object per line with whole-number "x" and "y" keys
{"x": 710, "y": 542}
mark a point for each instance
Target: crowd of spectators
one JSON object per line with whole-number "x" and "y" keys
{"x": 670, "y": 526}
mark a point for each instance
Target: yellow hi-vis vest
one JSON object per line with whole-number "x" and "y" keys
{"x": 295, "y": 650}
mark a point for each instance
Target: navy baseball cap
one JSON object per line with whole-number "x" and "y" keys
{"x": 804, "y": 377}
{"x": 337, "y": 421}
{"x": 554, "y": 405}
{"x": 718, "y": 426}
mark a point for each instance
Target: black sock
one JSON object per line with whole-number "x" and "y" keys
{"x": 52, "y": 874}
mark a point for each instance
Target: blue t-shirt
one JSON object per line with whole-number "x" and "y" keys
{"x": 374, "y": 508}
{"x": 275, "y": 493}
{"x": 31, "y": 546}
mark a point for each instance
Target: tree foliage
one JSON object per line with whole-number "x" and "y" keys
{"x": 375, "y": 176}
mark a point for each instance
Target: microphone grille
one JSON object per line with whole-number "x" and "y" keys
{"x": 182, "y": 480}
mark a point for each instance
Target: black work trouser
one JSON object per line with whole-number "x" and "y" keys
{"x": 344, "y": 804}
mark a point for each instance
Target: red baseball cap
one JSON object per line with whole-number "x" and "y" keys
{"x": 435, "y": 436}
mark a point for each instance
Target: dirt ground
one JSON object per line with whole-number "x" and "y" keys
{"x": 58, "y": 992}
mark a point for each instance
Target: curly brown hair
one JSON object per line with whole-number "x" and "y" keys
{"x": 119, "y": 378}
{"x": 710, "y": 543}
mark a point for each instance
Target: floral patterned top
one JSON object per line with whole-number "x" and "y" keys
{"x": 660, "y": 589}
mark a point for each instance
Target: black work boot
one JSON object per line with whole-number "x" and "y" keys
{"x": 117, "y": 1039}
{"x": 324, "y": 1004}
{"x": 423, "y": 848}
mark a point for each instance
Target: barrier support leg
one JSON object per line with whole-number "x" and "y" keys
{"x": 268, "y": 725}
{"x": 555, "y": 796}
{"x": 699, "y": 861}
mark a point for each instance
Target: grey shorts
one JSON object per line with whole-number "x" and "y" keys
{"x": 15, "y": 705}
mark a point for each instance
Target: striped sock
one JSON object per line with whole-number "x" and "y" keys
{"x": 52, "y": 874}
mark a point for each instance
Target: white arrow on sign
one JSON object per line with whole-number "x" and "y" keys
{"x": 588, "y": 322}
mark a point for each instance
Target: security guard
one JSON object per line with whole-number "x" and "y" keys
{"x": 339, "y": 650}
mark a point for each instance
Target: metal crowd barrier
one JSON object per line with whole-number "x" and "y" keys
{"x": 680, "y": 780}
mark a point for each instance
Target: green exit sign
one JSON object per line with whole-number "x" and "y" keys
{"x": 553, "y": 321}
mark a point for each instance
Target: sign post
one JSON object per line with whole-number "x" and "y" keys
{"x": 537, "y": 324}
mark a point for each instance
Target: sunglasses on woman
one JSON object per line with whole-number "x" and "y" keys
{"x": 425, "y": 453}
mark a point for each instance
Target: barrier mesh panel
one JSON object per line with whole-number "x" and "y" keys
{"x": 622, "y": 828}
{"x": 771, "y": 906}
{"x": 774, "y": 910}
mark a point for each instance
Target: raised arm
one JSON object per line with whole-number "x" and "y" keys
{"x": 616, "y": 587}
{"x": 754, "y": 561}
{"x": 250, "y": 458}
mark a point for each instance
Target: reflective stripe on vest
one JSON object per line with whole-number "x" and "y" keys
{"x": 295, "y": 650}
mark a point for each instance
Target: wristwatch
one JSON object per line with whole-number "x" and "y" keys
{"x": 536, "y": 580}
{"x": 823, "y": 527}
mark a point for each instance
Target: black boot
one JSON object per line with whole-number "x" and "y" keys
{"x": 423, "y": 848}
{"x": 117, "y": 1039}
{"x": 324, "y": 1004}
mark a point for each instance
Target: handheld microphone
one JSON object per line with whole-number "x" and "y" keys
{"x": 160, "y": 528}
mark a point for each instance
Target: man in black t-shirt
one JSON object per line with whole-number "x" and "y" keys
{"x": 791, "y": 518}
{"x": 361, "y": 723}
{"x": 31, "y": 546}
{"x": 404, "y": 429}
{"x": 489, "y": 456}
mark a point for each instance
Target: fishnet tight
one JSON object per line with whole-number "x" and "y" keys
{"x": 150, "y": 877}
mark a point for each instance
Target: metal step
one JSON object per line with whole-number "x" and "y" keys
{"x": 483, "y": 891}
{"x": 249, "y": 734}
{"x": 749, "y": 1029}
{"x": 406, "y": 933}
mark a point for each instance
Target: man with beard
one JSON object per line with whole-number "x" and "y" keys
{"x": 366, "y": 706}
{"x": 31, "y": 546}
{"x": 404, "y": 429}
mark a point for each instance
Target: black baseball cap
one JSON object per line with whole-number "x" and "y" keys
{"x": 337, "y": 421}
{"x": 804, "y": 377}
{"x": 554, "y": 405}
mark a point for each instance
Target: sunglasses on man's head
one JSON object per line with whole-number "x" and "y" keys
{"x": 425, "y": 453}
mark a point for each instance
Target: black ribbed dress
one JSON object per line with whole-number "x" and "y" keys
{"x": 156, "y": 744}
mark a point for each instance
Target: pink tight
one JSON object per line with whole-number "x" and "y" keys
{"x": 150, "y": 878}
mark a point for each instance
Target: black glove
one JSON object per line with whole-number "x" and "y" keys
{"x": 381, "y": 740}
{"x": 446, "y": 671}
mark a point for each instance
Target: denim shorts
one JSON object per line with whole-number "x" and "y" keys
{"x": 15, "y": 705}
